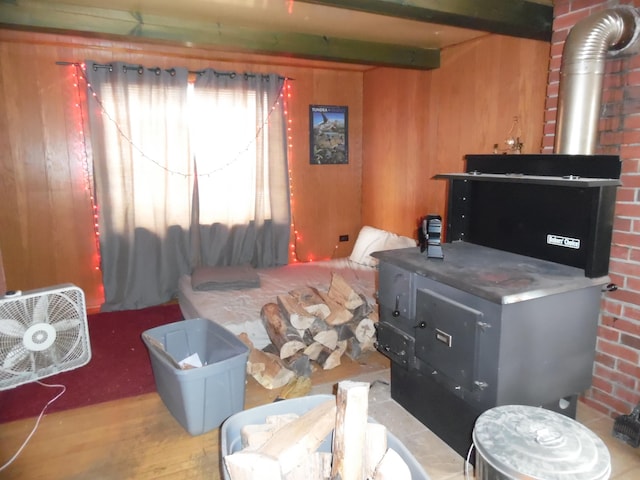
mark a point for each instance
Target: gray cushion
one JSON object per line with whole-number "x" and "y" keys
{"x": 224, "y": 278}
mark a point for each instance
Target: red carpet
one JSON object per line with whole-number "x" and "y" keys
{"x": 119, "y": 366}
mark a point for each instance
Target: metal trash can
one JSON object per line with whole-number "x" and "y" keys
{"x": 516, "y": 441}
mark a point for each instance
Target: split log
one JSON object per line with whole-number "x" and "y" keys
{"x": 249, "y": 465}
{"x": 301, "y": 437}
{"x": 313, "y": 350}
{"x": 328, "y": 338}
{"x": 392, "y": 467}
{"x": 341, "y": 292}
{"x": 267, "y": 369}
{"x": 375, "y": 447}
{"x": 293, "y": 311}
{"x": 282, "y": 334}
{"x": 363, "y": 310}
{"x": 299, "y": 363}
{"x": 285, "y": 449}
{"x": 311, "y": 301}
{"x": 339, "y": 314}
{"x": 314, "y": 467}
{"x": 328, "y": 358}
{"x": 349, "y": 436}
{"x": 365, "y": 331}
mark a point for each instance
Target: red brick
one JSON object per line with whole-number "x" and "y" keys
{"x": 614, "y": 377}
{"x": 630, "y": 137}
{"x": 629, "y": 369}
{"x": 626, "y": 325}
{"x": 621, "y": 238}
{"x": 628, "y": 210}
{"x": 618, "y": 351}
{"x": 626, "y": 296}
{"x": 631, "y": 159}
{"x": 611, "y": 124}
{"x": 609, "y": 334}
{"x": 633, "y": 283}
{"x": 602, "y": 384}
{"x": 624, "y": 394}
{"x": 569, "y": 20}
{"x": 623, "y": 267}
{"x": 631, "y": 122}
{"x": 616, "y": 404}
{"x": 613, "y": 309}
{"x": 630, "y": 341}
{"x": 612, "y": 83}
{"x": 612, "y": 138}
{"x": 626, "y": 195}
{"x": 632, "y": 312}
{"x": 630, "y": 180}
{"x": 606, "y": 360}
{"x": 634, "y": 255}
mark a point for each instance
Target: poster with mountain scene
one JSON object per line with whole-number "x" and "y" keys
{"x": 329, "y": 135}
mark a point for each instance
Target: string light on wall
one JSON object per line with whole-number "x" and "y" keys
{"x": 294, "y": 234}
{"x": 78, "y": 76}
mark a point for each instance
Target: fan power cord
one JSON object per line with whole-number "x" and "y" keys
{"x": 35, "y": 427}
{"x": 467, "y": 463}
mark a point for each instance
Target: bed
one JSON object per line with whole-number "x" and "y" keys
{"x": 236, "y": 304}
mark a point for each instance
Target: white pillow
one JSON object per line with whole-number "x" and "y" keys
{"x": 371, "y": 240}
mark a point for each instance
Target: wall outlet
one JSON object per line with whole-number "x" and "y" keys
{"x": 343, "y": 238}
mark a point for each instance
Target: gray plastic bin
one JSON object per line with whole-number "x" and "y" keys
{"x": 200, "y": 399}
{"x": 231, "y": 441}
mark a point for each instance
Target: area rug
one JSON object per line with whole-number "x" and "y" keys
{"x": 119, "y": 366}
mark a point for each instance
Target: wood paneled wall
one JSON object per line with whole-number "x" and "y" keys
{"x": 418, "y": 124}
{"x": 404, "y": 127}
{"x": 46, "y": 223}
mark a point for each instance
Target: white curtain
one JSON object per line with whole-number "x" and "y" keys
{"x": 242, "y": 171}
{"x": 172, "y": 181}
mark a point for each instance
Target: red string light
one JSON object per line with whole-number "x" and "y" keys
{"x": 286, "y": 93}
{"x": 78, "y": 75}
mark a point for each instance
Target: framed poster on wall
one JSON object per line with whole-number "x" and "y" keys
{"x": 329, "y": 129}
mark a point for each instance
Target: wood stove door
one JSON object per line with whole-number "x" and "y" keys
{"x": 446, "y": 336}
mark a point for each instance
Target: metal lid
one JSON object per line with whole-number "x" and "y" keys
{"x": 535, "y": 443}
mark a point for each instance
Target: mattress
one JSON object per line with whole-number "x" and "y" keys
{"x": 239, "y": 310}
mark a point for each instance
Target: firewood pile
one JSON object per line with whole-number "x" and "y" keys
{"x": 286, "y": 447}
{"x": 312, "y": 329}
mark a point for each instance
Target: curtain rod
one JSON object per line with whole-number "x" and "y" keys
{"x": 140, "y": 69}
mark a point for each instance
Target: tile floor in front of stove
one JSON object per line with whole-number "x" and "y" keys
{"x": 442, "y": 463}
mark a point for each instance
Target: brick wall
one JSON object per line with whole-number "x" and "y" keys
{"x": 616, "y": 374}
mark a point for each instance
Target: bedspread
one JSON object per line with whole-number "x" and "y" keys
{"x": 239, "y": 310}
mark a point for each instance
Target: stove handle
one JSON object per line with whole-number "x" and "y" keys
{"x": 396, "y": 312}
{"x": 611, "y": 287}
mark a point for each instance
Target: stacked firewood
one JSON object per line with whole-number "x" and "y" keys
{"x": 312, "y": 329}
{"x": 287, "y": 446}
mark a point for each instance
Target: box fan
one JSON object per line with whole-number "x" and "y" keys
{"x": 42, "y": 332}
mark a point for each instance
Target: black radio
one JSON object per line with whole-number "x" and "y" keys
{"x": 429, "y": 235}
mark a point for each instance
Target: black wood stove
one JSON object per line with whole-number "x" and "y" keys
{"x": 509, "y": 314}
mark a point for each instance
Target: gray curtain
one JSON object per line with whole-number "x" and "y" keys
{"x": 155, "y": 203}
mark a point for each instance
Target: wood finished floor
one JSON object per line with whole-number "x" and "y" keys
{"x": 137, "y": 438}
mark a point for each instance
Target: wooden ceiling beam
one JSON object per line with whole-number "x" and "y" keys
{"x": 518, "y": 18}
{"x": 73, "y": 19}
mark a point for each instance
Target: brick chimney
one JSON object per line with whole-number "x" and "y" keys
{"x": 616, "y": 374}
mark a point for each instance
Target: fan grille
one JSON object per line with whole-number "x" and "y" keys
{"x": 42, "y": 332}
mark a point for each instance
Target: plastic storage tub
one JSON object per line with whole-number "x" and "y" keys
{"x": 200, "y": 399}
{"x": 231, "y": 441}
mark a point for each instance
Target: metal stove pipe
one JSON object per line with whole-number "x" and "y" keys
{"x": 582, "y": 72}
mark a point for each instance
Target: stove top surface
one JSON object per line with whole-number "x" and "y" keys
{"x": 495, "y": 275}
